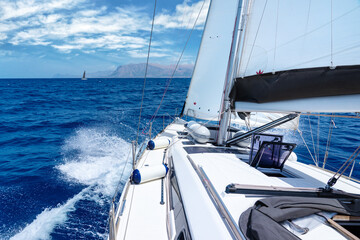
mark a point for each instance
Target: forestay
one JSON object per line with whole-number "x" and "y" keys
{"x": 296, "y": 50}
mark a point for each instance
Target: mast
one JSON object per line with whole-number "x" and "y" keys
{"x": 225, "y": 112}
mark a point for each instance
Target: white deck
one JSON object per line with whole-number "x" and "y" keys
{"x": 145, "y": 218}
{"x": 143, "y": 208}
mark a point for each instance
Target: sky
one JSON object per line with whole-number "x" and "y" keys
{"x": 42, "y": 38}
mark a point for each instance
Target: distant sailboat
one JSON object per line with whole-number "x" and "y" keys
{"x": 83, "y": 77}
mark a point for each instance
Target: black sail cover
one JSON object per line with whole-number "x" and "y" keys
{"x": 262, "y": 221}
{"x": 297, "y": 84}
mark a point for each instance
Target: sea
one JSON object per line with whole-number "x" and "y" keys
{"x": 65, "y": 148}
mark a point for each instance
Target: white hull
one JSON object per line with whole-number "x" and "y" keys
{"x": 206, "y": 210}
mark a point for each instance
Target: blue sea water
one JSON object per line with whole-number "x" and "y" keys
{"x": 65, "y": 143}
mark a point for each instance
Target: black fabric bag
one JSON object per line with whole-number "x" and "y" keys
{"x": 262, "y": 221}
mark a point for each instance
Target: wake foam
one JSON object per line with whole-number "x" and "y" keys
{"x": 95, "y": 157}
{"x": 45, "y": 222}
{"x": 98, "y": 160}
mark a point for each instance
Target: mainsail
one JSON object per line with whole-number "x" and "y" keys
{"x": 295, "y": 59}
{"x": 204, "y": 98}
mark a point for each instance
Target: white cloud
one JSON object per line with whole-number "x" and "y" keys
{"x": 92, "y": 12}
{"x": 69, "y": 25}
{"x": 111, "y": 41}
{"x": 85, "y": 29}
{"x": 185, "y": 15}
{"x": 10, "y": 9}
{"x": 49, "y": 19}
{"x": 66, "y": 48}
{"x": 3, "y": 36}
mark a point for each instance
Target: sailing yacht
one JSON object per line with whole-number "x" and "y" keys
{"x": 268, "y": 60}
{"x": 84, "y": 77}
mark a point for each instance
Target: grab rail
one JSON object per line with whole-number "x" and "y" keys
{"x": 234, "y": 229}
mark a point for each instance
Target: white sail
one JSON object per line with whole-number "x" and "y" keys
{"x": 311, "y": 46}
{"x": 283, "y": 35}
{"x": 348, "y": 103}
{"x": 205, "y": 92}
{"x": 207, "y": 84}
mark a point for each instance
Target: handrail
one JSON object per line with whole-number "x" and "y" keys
{"x": 230, "y": 223}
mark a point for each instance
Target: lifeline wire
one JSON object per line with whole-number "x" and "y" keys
{"x": 313, "y": 143}
{"x": 300, "y": 132}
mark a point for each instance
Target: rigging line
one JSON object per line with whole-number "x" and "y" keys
{"x": 300, "y": 132}
{"x": 327, "y": 115}
{"x": 146, "y": 69}
{"x": 331, "y": 35}
{"x": 318, "y": 139}
{"x": 257, "y": 31}
{"x": 187, "y": 26}
{"x": 276, "y": 32}
{"x": 247, "y": 123}
{"x": 332, "y": 124}
{"x": 313, "y": 142}
{"x": 191, "y": 16}
{"x": 178, "y": 62}
{"x": 308, "y": 17}
{"x": 347, "y": 163}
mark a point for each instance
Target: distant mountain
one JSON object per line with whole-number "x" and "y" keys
{"x": 154, "y": 71}
{"x": 138, "y": 71}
